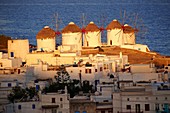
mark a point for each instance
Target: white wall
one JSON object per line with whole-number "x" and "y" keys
{"x": 34, "y": 58}
{"x": 47, "y": 44}
{"x": 26, "y": 107}
{"x": 92, "y": 39}
{"x": 20, "y": 48}
{"x": 142, "y": 68}
{"x": 116, "y": 36}
{"x": 60, "y": 99}
{"x": 72, "y": 39}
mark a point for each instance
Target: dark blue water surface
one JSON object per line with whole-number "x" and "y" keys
{"x": 24, "y": 18}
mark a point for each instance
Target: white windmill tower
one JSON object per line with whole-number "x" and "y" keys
{"x": 92, "y": 35}
{"x": 114, "y": 33}
{"x": 46, "y": 39}
{"x": 72, "y": 36}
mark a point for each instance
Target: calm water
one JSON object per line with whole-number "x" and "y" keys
{"x": 23, "y": 18}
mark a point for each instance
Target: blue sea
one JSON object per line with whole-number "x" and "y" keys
{"x": 24, "y": 18}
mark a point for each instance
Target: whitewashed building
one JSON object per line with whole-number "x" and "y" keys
{"x": 18, "y": 48}
{"x": 92, "y": 36}
{"x": 55, "y": 102}
{"x": 141, "y": 99}
{"x": 46, "y": 39}
{"x": 94, "y": 67}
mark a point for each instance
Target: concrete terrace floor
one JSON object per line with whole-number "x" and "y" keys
{"x": 134, "y": 56}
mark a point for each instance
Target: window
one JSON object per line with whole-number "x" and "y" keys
{"x": 128, "y": 106}
{"x": 110, "y": 42}
{"x": 128, "y": 99}
{"x": 102, "y": 111}
{"x": 104, "y": 66}
{"x": 19, "y": 106}
{"x": 157, "y": 107}
{"x": 33, "y": 106}
{"x": 84, "y": 112}
{"x": 95, "y": 70}
{"x": 88, "y": 71}
{"x": 77, "y": 112}
{"x": 101, "y": 69}
{"x": 166, "y": 98}
{"x": 61, "y": 99}
{"x": 54, "y": 110}
{"x": 146, "y": 98}
{"x": 71, "y": 71}
{"x": 147, "y": 108}
{"x": 53, "y": 100}
{"x": 12, "y": 54}
{"x": 9, "y": 85}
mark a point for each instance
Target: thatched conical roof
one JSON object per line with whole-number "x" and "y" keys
{"x": 91, "y": 27}
{"x": 71, "y": 28}
{"x": 128, "y": 29}
{"x": 114, "y": 25}
{"x": 46, "y": 32}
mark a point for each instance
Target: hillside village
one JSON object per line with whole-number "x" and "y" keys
{"x": 83, "y": 75}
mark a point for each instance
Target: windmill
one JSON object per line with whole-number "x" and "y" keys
{"x": 129, "y": 32}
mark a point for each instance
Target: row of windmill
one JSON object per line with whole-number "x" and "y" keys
{"x": 89, "y": 36}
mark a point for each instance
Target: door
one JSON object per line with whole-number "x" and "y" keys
{"x": 110, "y": 42}
{"x": 137, "y": 108}
{"x": 12, "y": 54}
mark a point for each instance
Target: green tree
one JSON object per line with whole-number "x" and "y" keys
{"x": 31, "y": 92}
{"x": 17, "y": 93}
{"x": 62, "y": 75}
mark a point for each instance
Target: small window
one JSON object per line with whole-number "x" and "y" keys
{"x": 61, "y": 99}
{"x": 128, "y": 106}
{"x": 95, "y": 70}
{"x": 71, "y": 71}
{"x": 12, "y": 54}
{"x": 86, "y": 71}
{"x": 9, "y": 85}
{"x": 147, "y": 107}
{"x": 77, "y": 112}
{"x": 12, "y": 41}
{"x": 102, "y": 111}
{"x": 1, "y": 65}
{"x": 53, "y": 100}
{"x": 19, "y": 106}
{"x": 33, "y": 106}
{"x": 128, "y": 99}
{"x": 166, "y": 98}
{"x": 101, "y": 69}
{"x": 157, "y": 107}
{"x": 146, "y": 98}
{"x": 84, "y": 112}
{"x": 156, "y": 98}
{"x": 89, "y": 70}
